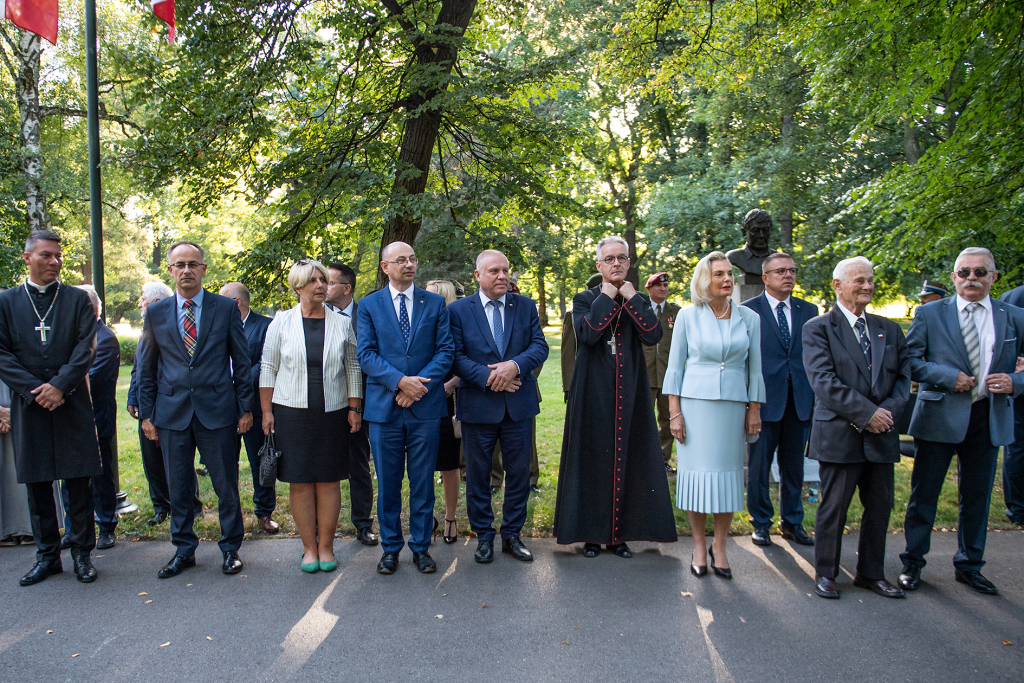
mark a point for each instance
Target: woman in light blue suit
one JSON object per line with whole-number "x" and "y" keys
{"x": 715, "y": 390}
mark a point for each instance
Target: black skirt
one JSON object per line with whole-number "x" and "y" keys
{"x": 312, "y": 441}
{"x": 448, "y": 445}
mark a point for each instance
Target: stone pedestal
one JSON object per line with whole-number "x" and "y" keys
{"x": 748, "y": 285}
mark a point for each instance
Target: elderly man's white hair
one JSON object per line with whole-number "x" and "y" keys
{"x": 608, "y": 240}
{"x": 839, "y": 273}
{"x": 155, "y": 291}
{"x": 976, "y": 251}
{"x": 93, "y": 297}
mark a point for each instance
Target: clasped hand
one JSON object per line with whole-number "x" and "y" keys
{"x": 48, "y": 396}
{"x": 503, "y": 376}
{"x": 880, "y": 422}
{"x": 627, "y": 290}
{"x": 410, "y": 390}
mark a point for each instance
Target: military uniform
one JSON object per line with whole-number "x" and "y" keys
{"x": 657, "y": 362}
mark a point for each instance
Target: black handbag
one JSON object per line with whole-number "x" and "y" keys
{"x": 269, "y": 455}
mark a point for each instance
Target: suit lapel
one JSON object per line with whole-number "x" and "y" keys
{"x": 849, "y": 341}
{"x": 172, "y": 320}
{"x": 773, "y": 320}
{"x": 419, "y": 301}
{"x": 485, "y": 327}
{"x": 999, "y": 327}
{"x": 206, "y": 320}
{"x": 877, "y": 347}
{"x": 389, "y": 310}
{"x": 952, "y": 317}
{"x": 510, "y": 319}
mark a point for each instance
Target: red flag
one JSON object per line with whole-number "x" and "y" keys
{"x": 164, "y": 9}
{"x": 37, "y": 16}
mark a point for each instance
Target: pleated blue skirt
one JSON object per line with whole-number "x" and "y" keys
{"x": 710, "y": 467}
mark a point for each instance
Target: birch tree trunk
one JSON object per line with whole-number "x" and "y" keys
{"x": 27, "y": 89}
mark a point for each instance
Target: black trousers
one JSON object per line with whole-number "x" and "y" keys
{"x": 498, "y": 470}
{"x": 360, "y": 483}
{"x": 46, "y": 525}
{"x": 976, "y": 469}
{"x": 789, "y": 435}
{"x": 839, "y": 481}
{"x": 156, "y": 477}
{"x": 220, "y": 450}
{"x": 1013, "y": 466}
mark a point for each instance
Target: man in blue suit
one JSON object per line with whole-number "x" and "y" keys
{"x": 963, "y": 352}
{"x": 264, "y": 498}
{"x": 195, "y": 391}
{"x": 786, "y": 415}
{"x": 1013, "y": 455}
{"x": 405, "y": 349}
{"x": 498, "y": 343}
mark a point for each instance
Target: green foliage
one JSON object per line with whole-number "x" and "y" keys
{"x": 128, "y": 346}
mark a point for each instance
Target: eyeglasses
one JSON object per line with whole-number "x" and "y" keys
{"x": 783, "y": 271}
{"x": 335, "y": 282}
{"x": 609, "y": 260}
{"x": 191, "y": 265}
{"x": 402, "y": 261}
{"x": 965, "y": 273}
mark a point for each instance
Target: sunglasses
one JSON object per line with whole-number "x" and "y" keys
{"x": 965, "y": 273}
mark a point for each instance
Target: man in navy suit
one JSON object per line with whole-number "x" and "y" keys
{"x": 963, "y": 354}
{"x": 786, "y": 415}
{"x": 264, "y": 498}
{"x": 1013, "y": 455}
{"x": 195, "y": 391}
{"x": 405, "y": 348}
{"x": 498, "y": 340}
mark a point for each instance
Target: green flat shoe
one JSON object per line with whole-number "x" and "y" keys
{"x": 329, "y": 566}
{"x": 311, "y": 568}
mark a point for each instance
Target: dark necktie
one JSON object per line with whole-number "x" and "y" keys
{"x": 190, "y": 327}
{"x": 403, "y": 318}
{"x": 865, "y": 343}
{"x": 499, "y": 331}
{"x": 787, "y": 338}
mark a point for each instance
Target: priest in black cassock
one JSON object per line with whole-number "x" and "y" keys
{"x": 611, "y": 482}
{"x": 47, "y": 343}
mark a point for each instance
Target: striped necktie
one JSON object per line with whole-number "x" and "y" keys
{"x": 865, "y": 344}
{"x": 973, "y": 343}
{"x": 190, "y": 327}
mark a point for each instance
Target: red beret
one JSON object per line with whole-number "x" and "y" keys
{"x": 656, "y": 278}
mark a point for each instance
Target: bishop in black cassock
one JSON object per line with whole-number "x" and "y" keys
{"x": 59, "y": 443}
{"x": 611, "y": 483}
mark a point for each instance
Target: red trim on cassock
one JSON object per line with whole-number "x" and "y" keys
{"x": 606, "y": 322}
{"x": 640, "y": 322}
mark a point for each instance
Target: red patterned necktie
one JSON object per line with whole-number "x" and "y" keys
{"x": 190, "y": 327}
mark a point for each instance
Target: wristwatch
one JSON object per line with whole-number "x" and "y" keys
{"x": 358, "y": 409}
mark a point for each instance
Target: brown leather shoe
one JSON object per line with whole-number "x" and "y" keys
{"x": 881, "y": 587}
{"x": 826, "y": 588}
{"x": 269, "y": 525}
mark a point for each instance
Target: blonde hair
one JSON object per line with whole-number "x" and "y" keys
{"x": 444, "y": 288}
{"x": 302, "y": 272}
{"x": 700, "y": 285}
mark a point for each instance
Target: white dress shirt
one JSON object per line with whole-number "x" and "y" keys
{"x": 986, "y": 336}
{"x": 408, "y": 300}
{"x": 351, "y": 307}
{"x": 852, "y": 319}
{"x": 489, "y": 312}
{"x": 788, "y": 304}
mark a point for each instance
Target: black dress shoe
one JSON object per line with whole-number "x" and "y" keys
{"x": 622, "y": 550}
{"x": 513, "y": 545}
{"x": 84, "y": 571}
{"x": 721, "y": 572}
{"x": 424, "y": 562}
{"x": 699, "y": 572}
{"x": 484, "y": 552}
{"x": 105, "y": 540}
{"x": 591, "y": 549}
{"x": 202, "y": 471}
{"x": 669, "y": 469}
{"x": 910, "y": 579}
{"x": 826, "y": 588}
{"x": 366, "y": 537}
{"x": 232, "y": 565}
{"x": 65, "y": 542}
{"x": 761, "y": 537}
{"x": 157, "y": 519}
{"x": 388, "y": 563}
{"x": 534, "y": 488}
{"x": 177, "y": 565}
{"x": 41, "y": 571}
{"x": 797, "y": 535}
{"x": 976, "y": 582}
{"x": 880, "y": 586}
{"x": 495, "y": 489}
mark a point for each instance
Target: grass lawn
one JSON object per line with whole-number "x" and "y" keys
{"x": 541, "y": 509}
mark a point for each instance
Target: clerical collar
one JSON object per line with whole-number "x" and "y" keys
{"x": 42, "y": 289}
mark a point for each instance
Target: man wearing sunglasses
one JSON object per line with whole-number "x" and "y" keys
{"x": 963, "y": 353}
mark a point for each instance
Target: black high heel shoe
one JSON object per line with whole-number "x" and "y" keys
{"x": 454, "y": 531}
{"x": 699, "y": 572}
{"x": 724, "y": 573}
{"x": 433, "y": 532}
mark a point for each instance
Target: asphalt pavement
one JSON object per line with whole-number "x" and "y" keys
{"x": 561, "y": 618}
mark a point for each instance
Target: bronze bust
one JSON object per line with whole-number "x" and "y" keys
{"x": 757, "y": 228}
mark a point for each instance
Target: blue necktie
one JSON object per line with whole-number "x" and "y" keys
{"x": 499, "y": 332}
{"x": 403, "y": 319}
{"x": 865, "y": 345}
{"x": 787, "y": 338}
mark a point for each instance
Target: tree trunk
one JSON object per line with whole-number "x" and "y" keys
{"x": 786, "y": 226}
{"x": 437, "y": 49}
{"x": 27, "y": 90}
{"x": 561, "y": 298}
{"x": 542, "y": 297}
{"x": 911, "y": 148}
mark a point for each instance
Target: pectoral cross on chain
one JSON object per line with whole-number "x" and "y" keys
{"x": 611, "y": 344}
{"x": 42, "y": 329}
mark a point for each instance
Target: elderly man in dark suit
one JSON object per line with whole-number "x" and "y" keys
{"x": 195, "y": 391}
{"x": 859, "y": 368}
{"x": 264, "y": 498}
{"x": 786, "y": 415}
{"x": 1013, "y": 455}
{"x": 963, "y": 353}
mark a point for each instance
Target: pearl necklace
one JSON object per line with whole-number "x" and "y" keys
{"x": 727, "y": 309}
